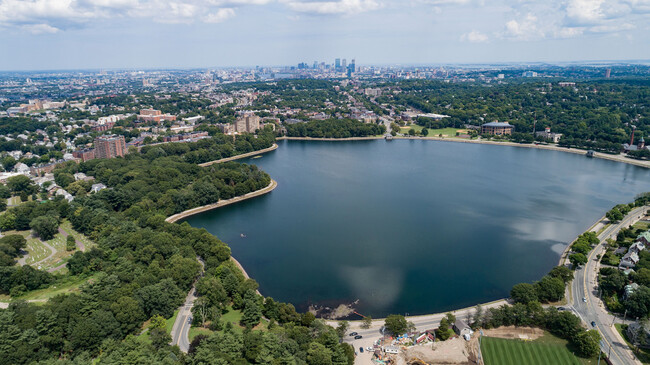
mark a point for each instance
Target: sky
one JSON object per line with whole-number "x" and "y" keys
{"x": 109, "y": 34}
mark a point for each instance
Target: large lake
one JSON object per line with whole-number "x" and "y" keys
{"x": 413, "y": 226}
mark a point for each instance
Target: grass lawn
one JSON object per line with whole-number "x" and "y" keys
{"x": 67, "y": 227}
{"x": 68, "y": 285}
{"x": 195, "y": 331}
{"x": 547, "y": 349}
{"x": 641, "y": 224}
{"x": 446, "y": 132}
{"x": 643, "y": 355}
{"x": 37, "y": 250}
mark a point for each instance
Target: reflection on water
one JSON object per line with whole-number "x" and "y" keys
{"x": 414, "y": 226}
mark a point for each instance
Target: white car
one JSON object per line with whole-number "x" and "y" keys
{"x": 369, "y": 349}
{"x": 584, "y": 299}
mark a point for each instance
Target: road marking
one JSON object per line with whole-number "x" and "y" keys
{"x": 585, "y": 280}
{"x": 181, "y": 333}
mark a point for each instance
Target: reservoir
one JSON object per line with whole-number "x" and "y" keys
{"x": 414, "y": 226}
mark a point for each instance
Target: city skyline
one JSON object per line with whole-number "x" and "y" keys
{"x": 114, "y": 34}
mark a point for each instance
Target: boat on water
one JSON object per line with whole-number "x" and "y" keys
{"x": 242, "y": 235}
{"x": 258, "y": 156}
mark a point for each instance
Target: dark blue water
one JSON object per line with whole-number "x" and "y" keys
{"x": 414, "y": 226}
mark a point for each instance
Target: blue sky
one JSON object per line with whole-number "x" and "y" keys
{"x": 69, "y": 34}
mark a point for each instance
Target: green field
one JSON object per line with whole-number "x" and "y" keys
{"x": 446, "y": 132}
{"x": 543, "y": 351}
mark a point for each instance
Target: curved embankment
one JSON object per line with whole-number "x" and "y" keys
{"x": 616, "y": 158}
{"x": 176, "y": 217}
{"x": 243, "y": 155}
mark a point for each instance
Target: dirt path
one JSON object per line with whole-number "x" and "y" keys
{"x": 80, "y": 245}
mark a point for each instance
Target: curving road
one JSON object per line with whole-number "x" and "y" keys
{"x": 181, "y": 328}
{"x": 591, "y": 308}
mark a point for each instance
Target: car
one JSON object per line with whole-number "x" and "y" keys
{"x": 361, "y": 350}
{"x": 593, "y": 323}
{"x": 358, "y": 337}
{"x": 189, "y": 319}
{"x": 560, "y": 308}
{"x": 584, "y": 299}
{"x": 369, "y": 349}
{"x": 353, "y": 334}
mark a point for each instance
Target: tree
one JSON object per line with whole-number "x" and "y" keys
{"x": 45, "y": 227}
{"x": 342, "y": 328}
{"x": 395, "y": 324}
{"x": 638, "y": 304}
{"x": 577, "y": 259}
{"x": 411, "y": 132}
{"x": 366, "y": 322}
{"x": 424, "y": 132}
{"x": 318, "y": 354}
{"x": 252, "y": 313}
{"x": 523, "y": 293}
{"x": 562, "y": 272}
{"x": 550, "y": 289}
{"x": 20, "y": 183}
{"x": 587, "y": 343}
{"x": 70, "y": 243}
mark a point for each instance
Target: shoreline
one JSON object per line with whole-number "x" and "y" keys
{"x": 243, "y": 155}
{"x": 604, "y": 156}
{"x": 563, "y": 257}
{"x": 190, "y": 212}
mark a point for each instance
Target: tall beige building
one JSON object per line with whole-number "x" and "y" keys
{"x": 248, "y": 122}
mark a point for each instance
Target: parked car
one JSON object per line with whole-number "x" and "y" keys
{"x": 361, "y": 349}
{"x": 584, "y": 299}
{"x": 560, "y": 308}
{"x": 593, "y": 323}
{"x": 358, "y": 337}
{"x": 353, "y": 333}
{"x": 369, "y": 349}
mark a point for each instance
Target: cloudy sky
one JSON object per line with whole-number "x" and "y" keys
{"x": 69, "y": 34}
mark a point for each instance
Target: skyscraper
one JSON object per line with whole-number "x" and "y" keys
{"x": 344, "y": 64}
{"x": 608, "y": 73}
{"x": 337, "y": 64}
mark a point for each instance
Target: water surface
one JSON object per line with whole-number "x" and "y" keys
{"x": 411, "y": 226}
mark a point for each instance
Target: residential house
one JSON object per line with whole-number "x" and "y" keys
{"x": 644, "y": 238}
{"x": 629, "y": 261}
{"x": 462, "y": 329}
{"x": 630, "y": 289}
{"x": 97, "y": 187}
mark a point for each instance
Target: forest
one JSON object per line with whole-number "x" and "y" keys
{"x": 142, "y": 270}
{"x": 334, "y": 128}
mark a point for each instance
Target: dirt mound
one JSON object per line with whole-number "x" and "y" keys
{"x": 512, "y": 332}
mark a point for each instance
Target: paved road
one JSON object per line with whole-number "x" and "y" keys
{"x": 421, "y": 323}
{"x": 585, "y": 285}
{"x": 181, "y": 328}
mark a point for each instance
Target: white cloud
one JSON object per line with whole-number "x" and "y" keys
{"x": 40, "y": 29}
{"x": 333, "y": 7}
{"x": 219, "y": 16}
{"x": 524, "y": 29}
{"x": 474, "y": 37}
{"x": 48, "y": 16}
